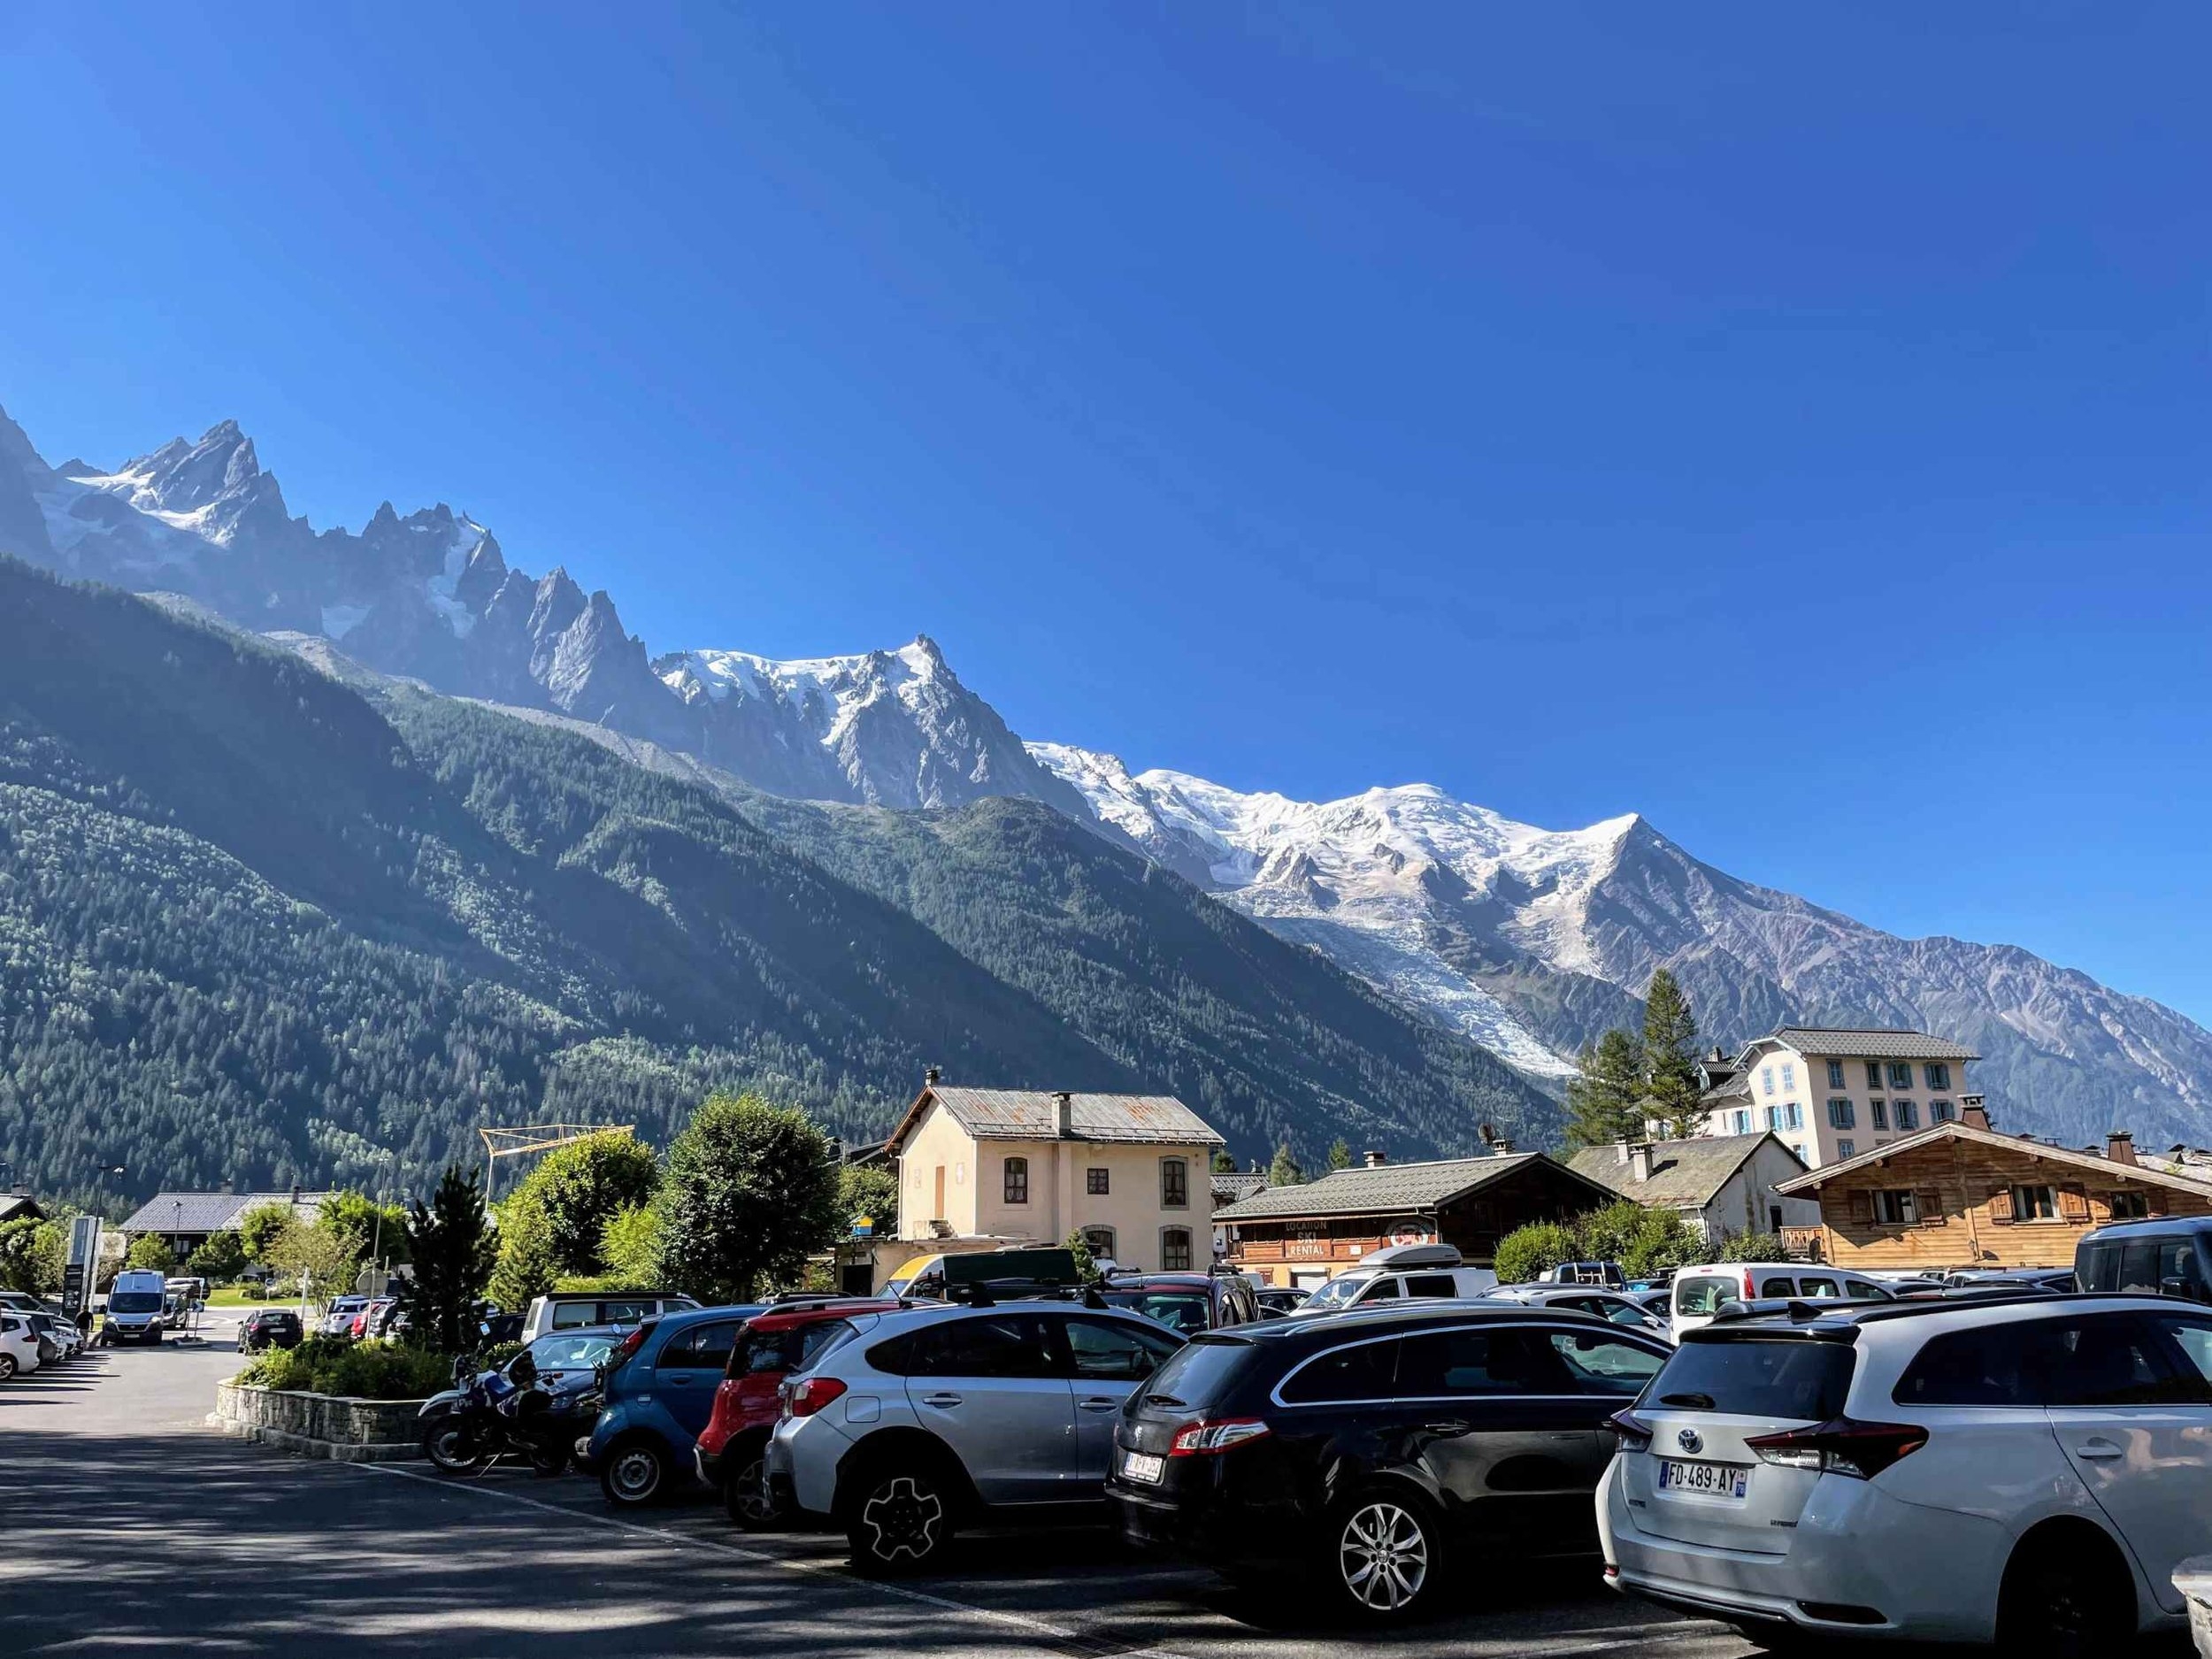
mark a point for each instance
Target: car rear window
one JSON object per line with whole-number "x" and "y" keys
{"x": 1797, "y": 1379}
{"x": 1203, "y": 1370}
{"x": 1703, "y": 1295}
{"x": 1184, "y": 1310}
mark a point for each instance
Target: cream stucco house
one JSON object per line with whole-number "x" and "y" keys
{"x": 1829, "y": 1094}
{"x": 1028, "y": 1166}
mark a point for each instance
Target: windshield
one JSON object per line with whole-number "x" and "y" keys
{"x": 135, "y": 1301}
{"x": 1338, "y": 1293}
{"x": 570, "y": 1353}
{"x": 1184, "y": 1310}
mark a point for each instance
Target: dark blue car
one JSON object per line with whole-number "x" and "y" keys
{"x": 658, "y": 1401}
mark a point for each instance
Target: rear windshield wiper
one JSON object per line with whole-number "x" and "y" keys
{"x": 1691, "y": 1403}
{"x": 1163, "y": 1400}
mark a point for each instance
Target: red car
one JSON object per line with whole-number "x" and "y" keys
{"x": 772, "y": 1345}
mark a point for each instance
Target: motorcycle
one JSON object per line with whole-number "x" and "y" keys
{"x": 501, "y": 1413}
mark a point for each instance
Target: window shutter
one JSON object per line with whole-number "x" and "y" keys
{"x": 2073, "y": 1203}
{"x": 1862, "y": 1208}
{"x": 1929, "y": 1203}
{"x": 2000, "y": 1205}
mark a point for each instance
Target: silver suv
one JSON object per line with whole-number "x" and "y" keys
{"x": 930, "y": 1419}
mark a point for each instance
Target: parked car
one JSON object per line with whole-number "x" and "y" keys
{"x": 1277, "y": 1299}
{"x": 1658, "y": 1302}
{"x": 57, "y": 1334}
{"x": 732, "y": 1451}
{"x": 1612, "y": 1306}
{"x": 1607, "y": 1273}
{"x": 268, "y": 1327}
{"x": 1187, "y": 1302}
{"x": 19, "y": 1346}
{"x": 1390, "y": 1450}
{"x": 2023, "y": 1279}
{"x": 136, "y": 1304}
{"x": 2026, "y": 1470}
{"x": 950, "y": 1277}
{"x": 1699, "y": 1292}
{"x": 929, "y": 1420}
{"x": 661, "y": 1383}
{"x": 1397, "y": 1271}
{"x": 339, "y": 1315}
{"x": 570, "y": 1310}
{"x": 2170, "y": 1257}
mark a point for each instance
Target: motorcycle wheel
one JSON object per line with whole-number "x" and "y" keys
{"x": 548, "y": 1460}
{"x": 449, "y": 1445}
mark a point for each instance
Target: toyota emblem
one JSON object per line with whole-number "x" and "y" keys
{"x": 1690, "y": 1440}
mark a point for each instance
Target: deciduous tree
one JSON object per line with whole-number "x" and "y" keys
{"x": 751, "y": 1194}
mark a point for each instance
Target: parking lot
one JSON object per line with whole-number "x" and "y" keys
{"x": 149, "y": 1531}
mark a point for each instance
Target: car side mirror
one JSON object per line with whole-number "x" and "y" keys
{"x": 2177, "y": 1287}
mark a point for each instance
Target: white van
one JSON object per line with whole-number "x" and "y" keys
{"x": 1700, "y": 1291}
{"x": 137, "y": 1303}
{"x": 1395, "y": 1271}
{"x": 572, "y": 1309}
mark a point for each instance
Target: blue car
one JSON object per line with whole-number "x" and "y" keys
{"x": 658, "y": 1398}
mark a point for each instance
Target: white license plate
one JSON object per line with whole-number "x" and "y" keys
{"x": 1727, "y": 1481}
{"x": 1142, "y": 1466}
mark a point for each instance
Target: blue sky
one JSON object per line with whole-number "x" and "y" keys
{"x": 1787, "y": 422}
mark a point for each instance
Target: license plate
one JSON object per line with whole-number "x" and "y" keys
{"x": 1142, "y": 1466}
{"x": 1727, "y": 1481}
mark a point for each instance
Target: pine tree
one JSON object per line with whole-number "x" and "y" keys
{"x": 1284, "y": 1172}
{"x": 1339, "y": 1155}
{"x": 1602, "y": 1099}
{"x": 1671, "y": 1055}
{"x": 453, "y": 1252}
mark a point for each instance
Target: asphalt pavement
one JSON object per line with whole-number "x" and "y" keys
{"x": 128, "y": 1526}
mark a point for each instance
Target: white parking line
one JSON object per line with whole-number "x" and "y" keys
{"x": 1018, "y": 1621}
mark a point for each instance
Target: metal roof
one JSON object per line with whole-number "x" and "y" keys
{"x": 212, "y": 1212}
{"x": 2110, "y": 1168}
{"x": 1019, "y": 1114}
{"x": 1874, "y": 1043}
{"x": 20, "y": 1207}
{"x": 1387, "y": 1188}
{"x": 1682, "y": 1173}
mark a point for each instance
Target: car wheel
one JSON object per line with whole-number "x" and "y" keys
{"x": 745, "y": 1492}
{"x": 7, "y": 1366}
{"x": 634, "y": 1475}
{"x": 2069, "y": 1600}
{"x": 901, "y": 1520}
{"x": 1386, "y": 1553}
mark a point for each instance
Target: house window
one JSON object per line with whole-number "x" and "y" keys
{"x": 2034, "y": 1203}
{"x": 1742, "y": 1122}
{"x": 1175, "y": 1249}
{"x": 1835, "y": 1075}
{"x": 2130, "y": 1206}
{"x": 1802, "y": 1158}
{"x": 1773, "y": 1117}
{"x": 1793, "y": 1116}
{"x": 1842, "y": 1114}
{"x": 1847, "y": 1148}
{"x": 1908, "y": 1114}
{"x": 1879, "y": 1112}
{"x": 1939, "y": 1074}
{"x": 1100, "y": 1243}
{"x": 1896, "y": 1208}
{"x": 1766, "y": 1079}
{"x": 1174, "y": 1183}
{"x": 1094, "y": 1183}
{"x": 1939, "y": 1112}
{"x": 1874, "y": 1074}
{"x": 1900, "y": 1074}
{"x": 1018, "y": 1180}
{"x": 1789, "y": 1075}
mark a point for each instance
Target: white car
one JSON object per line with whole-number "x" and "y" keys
{"x": 1699, "y": 1292}
{"x": 1396, "y": 1271}
{"x": 18, "y": 1345}
{"x": 1613, "y": 1305}
{"x": 2024, "y": 1471}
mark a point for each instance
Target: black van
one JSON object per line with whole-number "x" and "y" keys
{"x": 2172, "y": 1258}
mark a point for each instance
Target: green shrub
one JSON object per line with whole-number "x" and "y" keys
{"x": 1752, "y": 1247}
{"x": 362, "y": 1371}
{"x": 1527, "y": 1251}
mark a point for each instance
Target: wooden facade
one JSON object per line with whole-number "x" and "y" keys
{"x": 1956, "y": 1197}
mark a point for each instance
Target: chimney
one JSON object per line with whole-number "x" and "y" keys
{"x": 1640, "y": 1160}
{"x": 1620, "y": 1151}
{"x": 296, "y": 1194}
{"x": 1500, "y": 1145}
{"x": 930, "y": 1077}
{"x": 1972, "y": 1113}
{"x": 1065, "y": 1102}
{"x": 231, "y": 1186}
{"x": 2119, "y": 1146}
{"x": 1374, "y": 1160}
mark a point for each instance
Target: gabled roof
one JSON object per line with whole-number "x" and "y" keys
{"x": 2110, "y": 1169}
{"x": 211, "y": 1212}
{"x": 1236, "y": 1184}
{"x": 1684, "y": 1173}
{"x": 1873, "y": 1043}
{"x": 1737, "y": 1087}
{"x": 1021, "y": 1114}
{"x": 1390, "y": 1189}
{"x": 20, "y": 1207}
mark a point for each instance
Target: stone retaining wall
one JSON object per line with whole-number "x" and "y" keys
{"x": 319, "y": 1425}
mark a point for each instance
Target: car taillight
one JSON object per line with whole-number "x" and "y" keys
{"x": 1204, "y": 1440}
{"x": 1630, "y": 1430}
{"x": 810, "y": 1394}
{"x": 1748, "y": 1292}
{"x": 627, "y": 1346}
{"x": 1842, "y": 1446}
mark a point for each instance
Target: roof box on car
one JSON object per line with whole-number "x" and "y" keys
{"x": 1411, "y": 1255}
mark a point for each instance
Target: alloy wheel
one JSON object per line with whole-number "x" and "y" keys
{"x": 1383, "y": 1556}
{"x": 7, "y": 1366}
{"x": 903, "y": 1518}
{"x": 748, "y": 1495}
